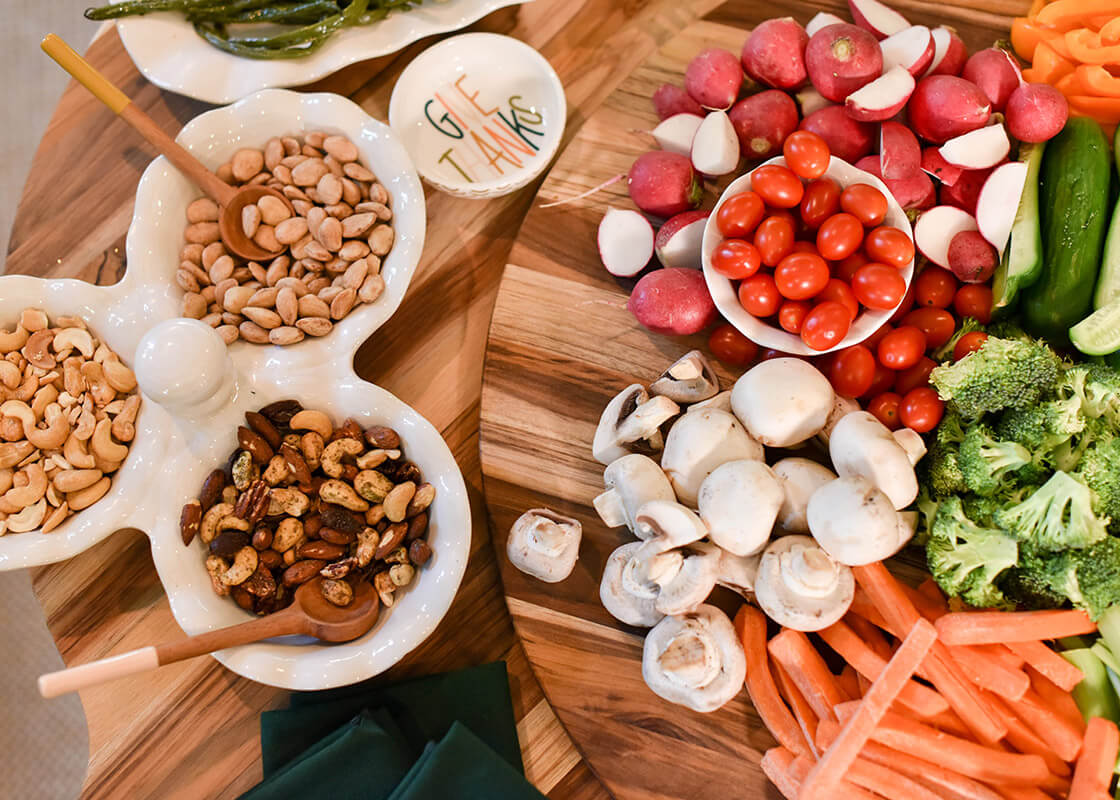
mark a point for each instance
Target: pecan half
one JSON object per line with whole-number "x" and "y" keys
{"x": 253, "y": 502}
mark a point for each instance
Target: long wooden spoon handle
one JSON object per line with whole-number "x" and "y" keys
{"x": 120, "y": 104}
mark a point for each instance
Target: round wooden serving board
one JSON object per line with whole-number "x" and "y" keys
{"x": 561, "y": 345}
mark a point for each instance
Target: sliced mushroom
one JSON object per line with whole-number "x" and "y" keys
{"x": 544, "y": 544}
{"x": 799, "y": 586}
{"x": 853, "y": 521}
{"x": 626, "y": 592}
{"x": 631, "y": 417}
{"x": 695, "y": 659}
{"x": 689, "y": 379}
{"x": 738, "y": 573}
{"x": 862, "y": 445}
{"x": 783, "y": 401}
{"x": 631, "y": 481}
{"x": 699, "y": 442}
{"x": 739, "y": 503}
{"x": 800, "y": 477}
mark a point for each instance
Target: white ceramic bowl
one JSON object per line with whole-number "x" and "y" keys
{"x": 763, "y": 333}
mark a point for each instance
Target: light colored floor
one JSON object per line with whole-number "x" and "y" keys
{"x": 43, "y": 744}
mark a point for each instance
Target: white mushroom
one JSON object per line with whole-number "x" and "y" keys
{"x": 799, "y": 586}
{"x": 631, "y": 417}
{"x": 738, "y": 573}
{"x": 853, "y": 521}
{"x": 841, "y": 407}
{"x": 544, "y": 544}
{"x": 673, "y": 556}
{"x": 670, "y": 523}
{"x": 739, "y": 503}
{"x": 912, "y": 442}
{"x": 799, "y": 477}
{"x": 690, "y": 379}
{"x": 631, "y": 481}
{"x": 907, "y": 527}
{"x": 722, "y": 401}
{"x": 699, "y": 442}
{"x": 783, "y": 401}
{"x": 862, "y": 445}
{"x": 692, "y": 582}
{"x": 695, "y": 659}
{"x": 626, "y": 593}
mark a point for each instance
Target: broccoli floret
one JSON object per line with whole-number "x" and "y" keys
{"x": 986, "y": 462}
{"x": 1028, "y": 583}
{"x": 1028, "y": 427}
{"x": 1099, "y": 392}
{"x": 965, "y": 559}
{"x": 1008, "y": 329}
{"x": 982, "y": 509}
{"x": 940, "y": 468}
{"x": 1099, "y": 469}
{"x": 927, "y": 510}
{"x": 1089, "y": 578}
{"x": 968, "y": 325}
{"x": 1056, "y": 516}
{"x": 1003, "y": 373}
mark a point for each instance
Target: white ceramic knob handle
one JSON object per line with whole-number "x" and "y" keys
{"x": 71, "y": 680}
{"x": 182, "y": 364}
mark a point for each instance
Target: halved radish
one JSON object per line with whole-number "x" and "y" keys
{"x": 881, "y": 20}
{"x": 949, "y": 52}
{"x": 936, "y": 228}
{"x": 678, "y": 241}
{"x": 978, "y": 149}
{"x": 998, "y": 202}
{"x": 809, "y": 100}
{"x": 675, "y": 134}
{"x": 822, "y": 19}
{"x": 911, "y": 48}
{"x": 938, "y": 167}
{"x": 625, "y": 242}
{"x": 882, "y": 98}
{"x": 715, "y": 147}
{"x": 900, "y": 155}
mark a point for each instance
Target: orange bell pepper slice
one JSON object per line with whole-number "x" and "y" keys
{"x": 1064, "y": 12}
{"x": 1085, "y": 46}
{"x": 1025, "y": 36}
{"x": 1096, "y": 80}
{"x": 1048, "y": 67}
{"x": 1069, "y": 84}
{"x": 1105, "y": 110}
{"x": 1110, "y": 31}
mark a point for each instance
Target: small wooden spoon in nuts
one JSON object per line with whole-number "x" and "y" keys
{"x": 230, "y": 201}
{"x": 309, "y": 614}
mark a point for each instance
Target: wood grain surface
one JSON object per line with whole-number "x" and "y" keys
{"x": 561, "y": 345}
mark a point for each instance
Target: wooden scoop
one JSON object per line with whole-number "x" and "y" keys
{"x": 310, "y": 614}
{"x": 230, "y": 201}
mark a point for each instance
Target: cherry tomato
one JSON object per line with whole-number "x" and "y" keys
{"x": 884, "y": 407}
{"x": 921, "y": 409}
{"x": 936, "y": 323}
{"x": 841, "y": 292}
{"x": 759, "y": 295}
{"x": 774, "y": 239}
{"x": 846, "y": 268}
{"x": 882, "y": 382}
{"x": 826, "y": 325}
{"x": 801, "y": 275}
{"x": 879, "y": 286}
{"x": 969, "y": 343}
{"x": 906, "y": 304}
{"x": 852, "y": 371}
{"x": 820, "y": 201}
{"x": 902, "y": 348}
{"x": 806, "y": 154}
{"x": 736, "y": 259}
{"x": 804, "y": 247}
{"x": 740, "y": 214}
{"x": 935, "y": 287}
{"x": 839, "y": 236}
{"x": 974, "y": 300}
{"x": 731, "y": 347}
{"x": 792, "y": 314}
{"x": 915, "y": 376}
{"x": 777, "y": 186}
{"x": 889, "y": 245}
{"x": 878, "y": 335}
{"x": 865, "y": 203}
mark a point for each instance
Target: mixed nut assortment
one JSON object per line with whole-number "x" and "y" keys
{"x": 328, "y": 253}
{"x": 301, "y": 498}
{"x": 68, "y": 410}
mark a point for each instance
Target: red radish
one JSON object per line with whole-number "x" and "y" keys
{"x": 944, "y": 106}
{"x": 848, "y": 139}
{"x": 841, "y": 58}
{"x": 675, "y": 133}
{"x": 664, "y": 184}
{"x": 911, "y": 48}
{"x": 949, "y": 52}
{"x": 938, "y": 167}
{"x": 715, "y": 147}
{"x": 914, "y": 192}
{"x": 625, "y": 242}
{"x": 881, "y": 20}
{"x": 762, "y": 123}
{"x": 713, "y": 78}
{"x": 978, "y": 149}
{"x": 670, "y": 100}
{"x": 936, "y": 227}
{"x": 809, "y": 100}
{"x": 1036, "y": 112}
{"x": 774, "y": 53}
{"x": 882, "y": 98}
{"x": 678, "y": 241}
{"x": 971, "y": 258}
{"x": 966, "y": 191}
{"x": 674, "y": 301}
{"x": 995, "y": 72}
{"x": 999, "y": 201}
{"x": 900, "y": 155}
{"x": 822, "y": 19}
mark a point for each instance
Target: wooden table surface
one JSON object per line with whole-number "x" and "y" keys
{"x": 191, "y": 730}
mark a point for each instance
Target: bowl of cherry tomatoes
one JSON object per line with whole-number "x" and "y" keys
{"x": 807, "y": 254}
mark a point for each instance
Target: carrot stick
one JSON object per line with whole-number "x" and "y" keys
{"x": 806, "y": 719}
{"x": 1023, "y": 739}
{"x": 1058, "y": 699}
{"x": 862, "y": 606}
{"x": 1000, "y": 653}
{"x": 871, "y": 635}
{"x": 802, "y": 766}
{"x": 1023, "y": 793}
{"x": 1062, "y": 736}
{"x": 1039, "y": 655}
{"x": 932, "y": 592}
{"x": 993, "y": 627}
{"x": 750, "y": 625}
{"x": 776, "y": 764}
{"x": 830, "y": 770}
{"x": 793, "y": 650}
{"x": 987, "y": 673}
{"x": 1094, "y": 768}
{"x": 887, "y": 782}
{"x": 849, "y": 683}
{"x": 928, "y": 608}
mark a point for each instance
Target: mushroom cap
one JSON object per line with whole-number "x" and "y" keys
{"x": 625, "y": 593}
{"x": 738, "y": 573}
{"x": 912, "y": 442}
{"x": 862, "y": 445}
{"x": 689, "y": 379}
{"x": 670, "y": 523}
{"x": 799, "y": 477}
{"x": 800, "y": 587}
{"x": 783, "y": 401}
{"x": 739, "y": 502}
{"x": 699, "y": 442}
{"x": 853, "y": 521}
{"x": 695, "y": 659}
{"x": 630, "y": 417}
{"x": 544, "y": 544}
{"x": 690, "y": 585}
{"x": 631, "y": 481}
{"x": 722, "y": 401}
{"x": 841, "y": 407}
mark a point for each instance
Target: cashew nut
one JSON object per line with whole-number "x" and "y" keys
{"x": 101, "y": 444}
{"x": 21, "y": 411}
{"x": 84, "y": 498}
{"x": 243, "y": 567}
{"x": 233, "y": 523}
{"x": 311, "y": 446}
{"x": 13, "y": 340}
{"x": 124, "y": 428}
{"x": 119, "y": 376}
{"x": 55, "y": 434}
{"x": 385, "y": 588}
{"x": 38, "y": 349}
{"x": 46, "y": 395}
{"x": 106, "y": 466}
{"x": 75, "y": 452}
{"x": 26, "y": 389}
{"x": 372, "y": 485}
{"x": 311, "y": 420}
{"x": 10, "y": 374}
{"x": 216, "y": 567}
{"x": 11, "y": 429}
{"x": 74, "y": 338}
{"x": 288, "y": 501}
{"x": 375, "y": 458}
{"x": 11, "y": 453}
{"x": 342, "y": 494}
{"x": 331, "y": 460}
{"x": 34, "y": 319}
{"x": 86, "y": 424}
{"x": 396, "y": 502}
{"x": 29, "y": 518}
{"x": 368, "y": 539}
{"x": 73, "y": 480}
{"x": 56, "y": 517}
{"x": 20, "y": 497}
{"x": 208, "y": 528}
{"x": 5, "y": 480}
{"x": 277, "y": 471}
{"x": 99, "y": 387}
{"x": 72, "y": 379}
{"x": 288, "y": 533}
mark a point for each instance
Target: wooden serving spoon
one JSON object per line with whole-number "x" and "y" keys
{"x": 310, "y": 614}
{"x": 230, "y": 201}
